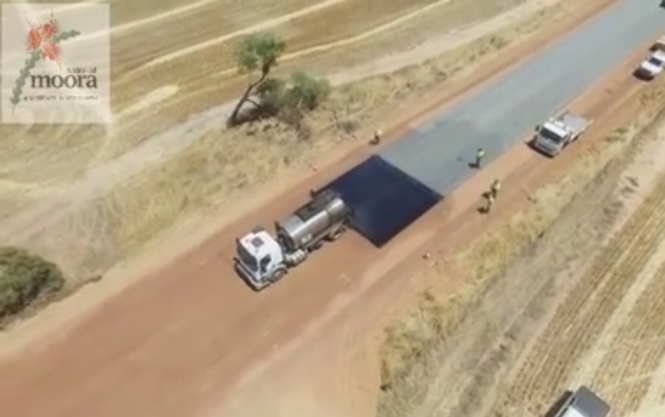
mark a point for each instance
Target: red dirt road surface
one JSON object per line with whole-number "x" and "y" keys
{"x": 177, "y": 340}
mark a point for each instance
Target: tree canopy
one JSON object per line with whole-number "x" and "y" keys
{"x": 259, "y": 52}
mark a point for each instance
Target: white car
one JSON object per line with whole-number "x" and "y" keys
{"x": 652, "y": 66}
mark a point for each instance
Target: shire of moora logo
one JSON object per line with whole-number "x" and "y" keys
{"x": 56, "y": 63}
{"x": 44, "y": 44}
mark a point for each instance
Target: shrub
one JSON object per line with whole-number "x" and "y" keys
{"x": 24, "y": 278}
{"x": 306, "y": 92}
{"x": 291, "y": 100}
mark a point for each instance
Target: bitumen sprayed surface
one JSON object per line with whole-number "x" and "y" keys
{"x": 438, "y": 153}
{"x": 383, "y": 199}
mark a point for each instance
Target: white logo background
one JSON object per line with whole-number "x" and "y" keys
{"x": 42, "y": 99}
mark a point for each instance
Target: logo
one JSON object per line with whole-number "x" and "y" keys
{"x": 56, "y": 60}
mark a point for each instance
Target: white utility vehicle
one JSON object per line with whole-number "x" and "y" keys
{"x": 651, "y": 67}
{"x": 583, "y": 403}
{"x": 555, "y": 134}
{"x": 262, "y": 259}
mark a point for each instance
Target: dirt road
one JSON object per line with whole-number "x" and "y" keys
{"x": 168, "y": 344}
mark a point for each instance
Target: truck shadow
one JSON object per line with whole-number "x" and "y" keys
{"x": 554, "y": 410}
{"x": 641, "y": 76}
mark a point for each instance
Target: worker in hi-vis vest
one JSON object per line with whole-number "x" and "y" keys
{"x": 495, "y": 188}
{"x": 377, "y": 137}
{"x": 489, "y": 202}
{"x": 480, "y": 154}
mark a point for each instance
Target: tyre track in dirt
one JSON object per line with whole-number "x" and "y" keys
{"x": 371, "y": 33}
{"x": 261, "y": 26}
{"x": 590, "y": 304}
{"x": 626, "y": 371}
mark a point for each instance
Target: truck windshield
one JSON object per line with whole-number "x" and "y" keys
{"x": 549, "y": 135}
{"x": 655, "y": 61}
{"x": 246, "y": 258}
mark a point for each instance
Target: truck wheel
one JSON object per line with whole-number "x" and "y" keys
{"x": 277, "y": 275}
{"x": 333, "y": 236}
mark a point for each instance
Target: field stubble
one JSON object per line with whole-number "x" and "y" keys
{"x": 590, "y": 305}
{"x": 215, "y": 19}
{"x": 626, "y": 371}
{"x": 500, "y": 312}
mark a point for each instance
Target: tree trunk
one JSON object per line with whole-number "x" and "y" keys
{"x": 233, "y": 119}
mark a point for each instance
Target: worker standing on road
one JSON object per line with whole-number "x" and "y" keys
{"x": 480, "y": 154}
{"x": 377, "y": 137}
{"x": 495, "y": 188}
{"x": 489, "y": 202}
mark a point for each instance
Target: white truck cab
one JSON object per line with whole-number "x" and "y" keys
{"x": 553, "y": 130}
{"x": 259, "y": 258}
{"x": 555, "y": 134}
{"x": 652, "y": 66}
{"x": 551, "y": 137}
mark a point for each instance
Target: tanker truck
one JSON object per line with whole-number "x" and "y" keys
{"x": 262, "y": 258}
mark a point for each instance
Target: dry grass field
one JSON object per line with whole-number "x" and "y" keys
{"x": 569, "y": 292}
{"x": 107, "y": 191}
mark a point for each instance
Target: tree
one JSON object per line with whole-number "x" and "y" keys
{"x": 25, "y": 277}
{"x": 256, "y": 56}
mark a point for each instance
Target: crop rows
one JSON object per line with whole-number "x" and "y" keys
{"x": 626, "y": 370}
{"x": 590, "y": 304}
